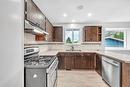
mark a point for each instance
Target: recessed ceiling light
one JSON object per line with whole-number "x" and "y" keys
{"x": 73, "y": 20}
{"x": 72, "y": 25}
{"x": 89, "y": 14}
{"x": 65, "y": 15}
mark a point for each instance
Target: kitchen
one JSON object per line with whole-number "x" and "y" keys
{"x": 65, "y": 43}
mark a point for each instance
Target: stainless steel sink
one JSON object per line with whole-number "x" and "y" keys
{"x": 73, "y": 49}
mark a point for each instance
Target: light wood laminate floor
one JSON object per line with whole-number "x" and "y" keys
{"x": 79, "y": 79}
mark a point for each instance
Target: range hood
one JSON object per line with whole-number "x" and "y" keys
{"x": 30, "y": 28}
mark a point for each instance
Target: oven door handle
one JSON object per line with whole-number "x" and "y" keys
{"x": 55, "y": 66}
{"x": 52, "y": 67}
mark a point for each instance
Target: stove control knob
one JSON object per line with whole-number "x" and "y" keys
{"x": 35, "y": 76}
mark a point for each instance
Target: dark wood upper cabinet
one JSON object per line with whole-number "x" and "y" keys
{"x": 49, "y": 29}
{"x": 92, "y": 34}
{"x": 34, "y": 14}
{"x": 58, "y": 34}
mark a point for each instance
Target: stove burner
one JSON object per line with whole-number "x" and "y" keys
{"x": 42, "y": 60}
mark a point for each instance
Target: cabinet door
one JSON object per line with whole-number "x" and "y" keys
{"x": 99, "y": 64}
{"x": 61, "y": 58}
{"x": 43, "y": 22}
{"x": 69, "y": 59}
{"x": 34, "y": 14}
{"x": 91, "y": 33}
{"x": 58, "y": 34}
{"x": 84, "y": 61}
{"x": 49, "y": 29}
{"x": 89, "y": 60}
{"x": 32, "y": 11}
{"x": 94, "y": 35}
{"x": 78, "y": 61}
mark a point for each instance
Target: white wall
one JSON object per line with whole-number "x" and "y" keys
{"x": 11, "y": 43}
{"x": 104, "y": 25}
{"x": 80, "y": 26}
{"x": 128, "y": 39}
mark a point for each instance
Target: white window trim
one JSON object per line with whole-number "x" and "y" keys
{"x": 73, "y": 30}
{"x": 125, "y": 39}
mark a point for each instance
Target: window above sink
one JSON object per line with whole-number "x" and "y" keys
{"x": 72, "y": 36}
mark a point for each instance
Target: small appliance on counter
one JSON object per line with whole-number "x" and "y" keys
{"x": 40, "y": 71}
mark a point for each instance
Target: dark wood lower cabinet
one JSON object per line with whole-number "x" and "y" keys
{"x": 93, "y": 61}
{"x": 98, "y": 64}
{"x": 125, "y": 74}
{"x": 85, "y": 61}
{"x": 61, "y": 59}
{"x": 90, "y": 60}
{"x": 70, "y": 61}
{"x": 78, "y": 61}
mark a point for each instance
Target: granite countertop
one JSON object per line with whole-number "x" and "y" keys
{"x": 113, "y": 55}
{"x": 55, "y": 52}
{"x": 42, "y": 64}
{"x": 117, "y": 56}
{"x": 48, "y": 53}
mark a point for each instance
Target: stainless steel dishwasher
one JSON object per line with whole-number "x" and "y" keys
{"x": 111, "y": 71}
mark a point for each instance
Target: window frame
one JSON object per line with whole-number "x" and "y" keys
{"x": 72, "y": 29}
{"x": 125, "y": 38}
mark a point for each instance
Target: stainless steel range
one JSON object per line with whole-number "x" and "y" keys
{"x": 40, "y": 71}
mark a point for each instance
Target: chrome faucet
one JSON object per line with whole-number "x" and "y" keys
{"x": 72, "y": 48}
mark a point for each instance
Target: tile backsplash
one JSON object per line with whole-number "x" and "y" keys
{"x": 29, "y": 39}
{"x": 76, "y": 47}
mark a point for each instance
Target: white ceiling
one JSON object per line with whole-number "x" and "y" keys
{"x": 102, "y": 10}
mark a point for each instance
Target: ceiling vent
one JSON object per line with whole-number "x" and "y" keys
{"x": 80, "y": 7}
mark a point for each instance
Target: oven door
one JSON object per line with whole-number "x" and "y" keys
{"x": 52, "y": 74}
{"x": 52, "y": 79}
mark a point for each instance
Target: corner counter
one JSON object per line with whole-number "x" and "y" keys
{"x": 123, "y": 58}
